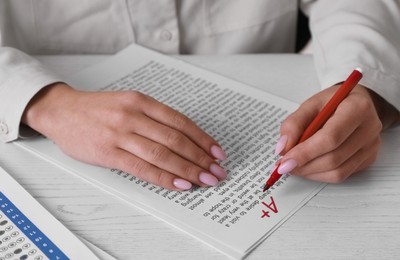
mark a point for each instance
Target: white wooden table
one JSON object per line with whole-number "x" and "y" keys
{"x": 359, "y": 219}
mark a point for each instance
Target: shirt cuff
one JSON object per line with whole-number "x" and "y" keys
{"x": 18, "y": 89}
{"x": 381, "y": 83}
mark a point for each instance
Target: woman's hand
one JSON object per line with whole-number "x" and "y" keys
{"x": 347, "y": 143}
{"x": 128, "y": 131}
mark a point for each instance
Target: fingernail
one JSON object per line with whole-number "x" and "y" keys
{"x": 182, "y": 184}
{"x": 287, "y": 166}
{"x": 218, "y": 171}
{"x": 217, "y": 152}
{"x": 278, "y": 162}
{"x": 280, "y": 145}
{"x": 208, "y": 179}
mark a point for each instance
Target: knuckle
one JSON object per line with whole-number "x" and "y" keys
{"x": 288, "y": 123}
{"x": 137, "y": 167}
{"x": 364, "y": 104}
{"x": 378, "y": 126}
{"x": 204, "y": 160}
{"x": 312, "y": 102}
{"x": 134, "y": 96}
{"x": 285, "y": 126}
{"x": 305, "y": 158}
{"x": 179, "y": 121}
{"x": 302, "y": 154}
{"x": 102, "y": 153}
{"x": 333, "y": 161}
{"x": 174, "y": 138}
{"x": 103, "y": 147}
{"x": 188, "y": 171}
{"x": 162, "y": 178}
{"x": 158, "y": 153}
{"x": 337, "y": 177}
{"x": 128, "y": 98}
{"x": 329, "y": 140}
{"x": 119, "y": 118}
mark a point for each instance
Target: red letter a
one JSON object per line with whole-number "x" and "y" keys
{"x": 271, "y": 206}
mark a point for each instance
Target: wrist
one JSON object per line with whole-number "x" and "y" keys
{"x": 43, "y": 110}
{"x": 387, "y": 113}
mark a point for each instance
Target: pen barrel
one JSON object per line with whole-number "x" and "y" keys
{"x": 274, "y": 177}
{"x": 332, "y": 105}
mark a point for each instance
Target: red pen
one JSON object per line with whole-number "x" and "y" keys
{"x": 322, "y": 117}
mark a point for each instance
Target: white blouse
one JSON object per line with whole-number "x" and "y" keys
{"x": 346, "y": 34}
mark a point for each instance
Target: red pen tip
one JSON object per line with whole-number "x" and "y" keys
{"x": 274, "y": 177}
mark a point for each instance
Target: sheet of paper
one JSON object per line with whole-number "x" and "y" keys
{"x": 233, "y": 217}
{"x": 29, "y": 231}
{"x": 102, "y": 255}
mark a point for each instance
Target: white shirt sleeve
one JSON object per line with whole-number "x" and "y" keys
{"x": 21, "y": 77}
{"x": 357, "y": 33}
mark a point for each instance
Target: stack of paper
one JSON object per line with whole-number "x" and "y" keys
{"x": 233, "y": 217}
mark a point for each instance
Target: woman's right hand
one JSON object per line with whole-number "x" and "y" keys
{"x": 128, "y": 131}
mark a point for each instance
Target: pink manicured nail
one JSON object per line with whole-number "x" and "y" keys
{"x": 182, "y": 184}
{"x": 218, "y": 171}
{"x": 217, "y": 152}
{"x": 278, "y": 162}
{"x": 208, "y": 179}
{"x": 280, "y": 145}
{"x": 287, "y": 166}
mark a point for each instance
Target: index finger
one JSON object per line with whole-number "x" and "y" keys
{"x": 295, "y": 124}
{"x": 333, "y": 134}
{"x": 172, "y": 118}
